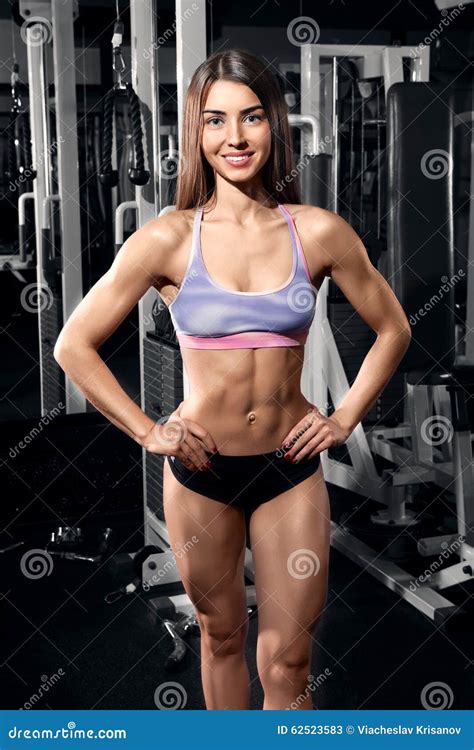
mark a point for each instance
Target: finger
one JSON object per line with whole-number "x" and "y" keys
{"x": 196, "y": 429}
{"x": 186, "y": 456}
{"x": 301, "y": 439}
{"x": 197, "y": 451}
{"x": 320, "y": 447}
{"x": 302, "y": 449}
{"x": 293, "y": 436}
{"x": 305, "y": 423}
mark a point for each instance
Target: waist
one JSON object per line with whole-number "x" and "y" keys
{"x": 246, "y": 428}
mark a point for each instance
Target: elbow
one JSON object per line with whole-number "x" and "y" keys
{"x": 58, "y": 352}
{"x": 405, "y": 336}
{"x": 69, "y": 346}
{"x": 401, "y": 335}
{"x": 62, "y": 346}
{"x": 406, "y": 332}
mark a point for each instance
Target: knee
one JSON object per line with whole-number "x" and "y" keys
{"x": 288, "y": 668}
{"x": 223, "y": 637}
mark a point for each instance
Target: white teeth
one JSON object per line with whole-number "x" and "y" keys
{"x": 237, "y": 158}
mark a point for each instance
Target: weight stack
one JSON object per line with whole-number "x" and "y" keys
{"x": 353, "y": 339}
{"x": 51, "y": 322}
{"x": 163, "y": 390}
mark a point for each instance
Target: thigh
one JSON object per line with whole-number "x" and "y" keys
{"x": 208, "y": 539}
{"x": 290, "y": 537}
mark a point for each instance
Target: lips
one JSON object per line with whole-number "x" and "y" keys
{"x": 240, "y": 160}
{"x": 238, "y": 153}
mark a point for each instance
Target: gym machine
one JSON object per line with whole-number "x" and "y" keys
{"x": 404, "y": 244}
{"x": 58, "y": 264}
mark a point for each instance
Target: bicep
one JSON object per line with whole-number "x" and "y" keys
{"x": 134, "y": 270}
{"x": 364, "y": 286}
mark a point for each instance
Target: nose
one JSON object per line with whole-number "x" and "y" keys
{"x": 234, "y": 135}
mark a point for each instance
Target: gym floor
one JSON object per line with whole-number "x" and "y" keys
{"x": 372, "y": 649}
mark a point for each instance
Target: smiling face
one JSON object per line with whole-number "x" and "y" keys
{"x": 235, "y": 125}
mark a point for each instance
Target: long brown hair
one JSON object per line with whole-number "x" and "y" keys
{"x": 196, "y": 181}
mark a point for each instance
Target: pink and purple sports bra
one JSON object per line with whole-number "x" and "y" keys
{"x": 205, "y": 315}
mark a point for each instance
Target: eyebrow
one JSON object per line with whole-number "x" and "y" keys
{"x": 242, "y": 111}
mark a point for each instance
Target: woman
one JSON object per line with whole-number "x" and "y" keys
{"x": 248, "y": 259}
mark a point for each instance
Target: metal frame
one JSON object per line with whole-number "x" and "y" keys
{"x": 323, "y": 370}
{"x": 60, "y": 14}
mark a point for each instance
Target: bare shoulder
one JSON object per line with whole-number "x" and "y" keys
{"x": 319, "y": 221}
{"x": 168, "y": 233}
{"x": 170, "y": 227}
{"x": 325, "y": 235}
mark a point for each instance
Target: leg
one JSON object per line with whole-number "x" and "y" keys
{"x": 290, "y": 537}
{"x": 212, "y": 572}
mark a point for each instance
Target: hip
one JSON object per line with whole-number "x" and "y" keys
{"x": 247, "y": 429}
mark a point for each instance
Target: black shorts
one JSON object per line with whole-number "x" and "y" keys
{"x": 245, "y": 481}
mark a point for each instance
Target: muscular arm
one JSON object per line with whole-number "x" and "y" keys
{"x": 347, "y": 263}
{"x": 137, "y": 266}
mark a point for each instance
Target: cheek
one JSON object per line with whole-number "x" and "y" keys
{"x": 210, "y": 142}
{"x": 265, "y": 140}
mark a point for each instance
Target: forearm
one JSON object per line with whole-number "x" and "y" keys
{"x": 93, "y": 377}
{"x": 376, "y": 370}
